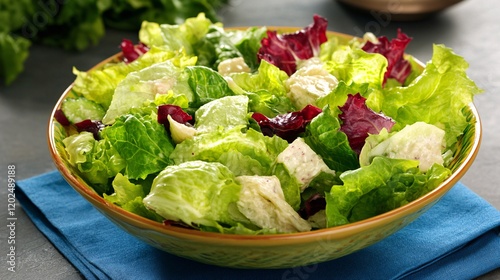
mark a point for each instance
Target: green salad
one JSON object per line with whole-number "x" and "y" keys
{"x": 254, "y": 131}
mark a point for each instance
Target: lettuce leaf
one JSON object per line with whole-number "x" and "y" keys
{"x": 215, "y": 47}
{"x": 144, "y": 85}
{"x": 176, "y": 36}
{"x": 13, "y": 52}
{"x": 338, "y": 96}
{"x": 206, "y": 84}
{"x": 248, "y": 43}
{"x": 268, "y": 77}
{"x": 99, "y": 85}
{"x": 129, "y": 196}
{"x": 436, "y": 97}
{"x": 289, "y": 184}
{"x": 353, "y": 65}
{"x": 323, "y": 135}
{"x": 383, "y": 185}
{"x": 265, "y": 88}
{"x": 244, "y": 153}
{"x": 142, "y": 142}
{"x": 262, "y": 101}
{"x": 215, "y": 114}
{"x": 98, "y": 161}
{"x": 249, "y": 153}
{"x": 196, "y": 193}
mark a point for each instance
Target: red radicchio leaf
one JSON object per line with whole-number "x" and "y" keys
{"x": 130, "y": 51}
{"x": 397, "y": 68}
{"x": 284, "y": 50}
{"x": 313, "y": 205}
{"x": 90, "y": 126}
{"x": 287, "y": 126}
{"x": 61, "y": 117}
{"x": 175, "y": 112}
{"x": 358, "y": 121}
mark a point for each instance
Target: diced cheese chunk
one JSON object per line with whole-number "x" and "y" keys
{"x": 263, "y": 203}
{"x": 309, "y": 82}
{"x": 233, "y": 65}
{"x": 302, "y": 162}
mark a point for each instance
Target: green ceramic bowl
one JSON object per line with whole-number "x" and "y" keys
{"x": 265, "y": 251}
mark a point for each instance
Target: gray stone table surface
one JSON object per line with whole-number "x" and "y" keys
{"x": 471, "y": 28}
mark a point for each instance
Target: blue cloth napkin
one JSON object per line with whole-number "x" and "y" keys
{"x": 458, "y": 238}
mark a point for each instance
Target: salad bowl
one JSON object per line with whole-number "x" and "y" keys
{"x": 404, "y": 10}
{"x": 282, "y": 250}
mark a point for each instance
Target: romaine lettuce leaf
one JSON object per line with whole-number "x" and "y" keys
{"x": 98, "y": 161}
{"x": 268, "y": 77}
{"x": 262, "y": 101}
{"x": 310, "y": 82}
{"x": 353, "y": 65}
{"x": 383, "y": 185}
{"x": 289, "y": 184}
{"x": 168, "y": 37}
{"x": 142, "y": 142}
{"x": 179, "y": 131}
{"x": 207, "y": 85}
{"x": 339, "y": 95}
{"x": 265, "y": 88}
{"x": 239, "y": 228}
{"x": 248, "y": 43}
{"x": 215, "y": 47}
{"x": 172, "y": 98}
{"x": 13, "y": 52}
{"x": 99, "y": 85}
{"x": 173, "y": 37}
{"x": 196, "y": 193}
{"x": 323, "y": 135}
{"x": 249, "y": 153}
{"x": 302, "y": 162}
{"x": 436, "y": 97}
{"x": 144, "y": 85}
{"x": 129, "y": 196}
{"x": 216, "y": 114}
{"x": 400, "y": 190}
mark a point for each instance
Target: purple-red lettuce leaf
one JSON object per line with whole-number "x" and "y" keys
{"x": 175, "y": 112}
{"x": 287, "y": 126}
{"x": 284, "y": 50}
{"x": 358, "y": 121}
{"x": 130, "y": 51}
{"x": 398, "y": 68}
